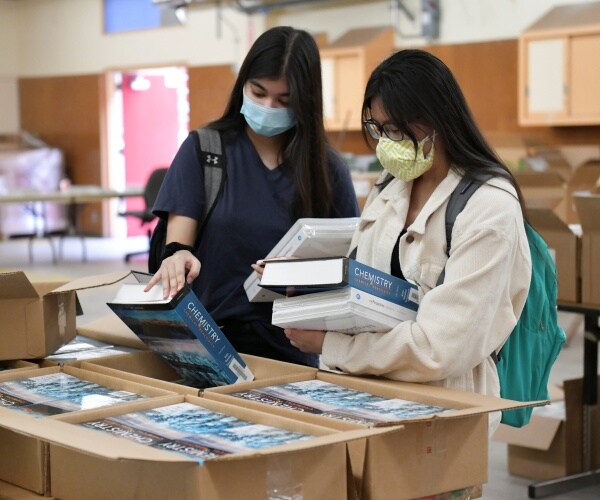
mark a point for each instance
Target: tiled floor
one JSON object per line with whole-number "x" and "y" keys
{"x": 106, "y": 255}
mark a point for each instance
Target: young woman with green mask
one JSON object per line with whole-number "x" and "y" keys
{"x": 416, "y": 116}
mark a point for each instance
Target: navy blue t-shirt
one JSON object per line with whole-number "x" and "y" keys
{"x": 250, "y": 217}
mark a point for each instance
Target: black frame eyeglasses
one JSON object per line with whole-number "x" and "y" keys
{"x": 377, "y": 131}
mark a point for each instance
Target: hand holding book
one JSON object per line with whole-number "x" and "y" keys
{"x": 309, "y": 341}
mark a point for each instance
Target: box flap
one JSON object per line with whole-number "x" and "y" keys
{"x": 539, "y": 179}
{"x": 110, "y": 329}
{"x": 585, "y": 176}
{"x": 546, "y": 219}
{"x": 538, "y": 434}
{"x": 93, "y": 281}
{"x": 16, "y": 285}
{"x": 588, "y": 210}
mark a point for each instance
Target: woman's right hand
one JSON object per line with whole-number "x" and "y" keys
{"x": 175, "y": 271}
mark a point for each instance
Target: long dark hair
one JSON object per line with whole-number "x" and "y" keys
{"x": 293, "y": 54}
{"x": 413, "y": 85}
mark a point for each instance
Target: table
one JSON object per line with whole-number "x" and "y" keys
{"x": 588, "y": 477}
{"x": 74, "y": 196}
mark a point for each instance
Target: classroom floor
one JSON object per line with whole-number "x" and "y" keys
{"x": 104, "y": 255}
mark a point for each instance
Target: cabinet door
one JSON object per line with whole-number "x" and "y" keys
{"x": 584, "y": 88}
{"x": 343, "y": 89}
{"x": 546, "y": 79}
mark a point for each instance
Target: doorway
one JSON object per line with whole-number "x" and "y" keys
{"x": 147, "y": 119}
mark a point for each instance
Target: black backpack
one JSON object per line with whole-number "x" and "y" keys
{"x": 213, "y": 162}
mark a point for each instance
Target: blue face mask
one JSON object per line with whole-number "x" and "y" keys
{"x": 265, "y": 120}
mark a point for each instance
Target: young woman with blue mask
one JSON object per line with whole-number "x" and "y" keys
{"x": 416, "y": 116}
{"x": 280, "y": 167}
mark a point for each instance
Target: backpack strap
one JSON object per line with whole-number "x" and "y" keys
{"x": 213, "y": 162}
{"x": 457, "y": 202}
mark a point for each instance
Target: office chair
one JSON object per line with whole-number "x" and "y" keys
{"x": 146, "y": 216}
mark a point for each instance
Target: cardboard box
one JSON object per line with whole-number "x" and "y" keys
{"x": 23, "y": 459}
{"x": 12, "y": 492}
{"x": 453, "y": 444}
{"x": 584, "y": 178}
{"x": 551, "y": 445}
{"x": 148, "y": 368}
{"x": 566, "y": 247}
{"x": 588, "y": 208}
{"x": 37, "y": 316}
{"x": 538, "y": 450}
{"x": 18, "y": 365}
{"x": 89, "y": 464}
{"x": 110, "y": 329}
{"x": 543, "y": 190}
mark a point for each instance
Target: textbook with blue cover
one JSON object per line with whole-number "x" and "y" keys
{"x": 338, "y": 294}
{"x": 182, "y": 332}
{"x": 193, "y": 431}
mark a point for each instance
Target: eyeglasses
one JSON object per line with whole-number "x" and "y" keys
{"x": 377, "y": 131}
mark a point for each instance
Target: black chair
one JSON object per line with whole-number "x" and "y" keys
{"x": 146, "y": 216}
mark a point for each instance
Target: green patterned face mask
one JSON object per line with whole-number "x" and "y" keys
{"x": 400, "y": 160}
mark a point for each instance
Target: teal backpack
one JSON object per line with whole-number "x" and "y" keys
{"x": 525, "y": 360}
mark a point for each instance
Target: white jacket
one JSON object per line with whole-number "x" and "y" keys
{"x": 461, "y": 322}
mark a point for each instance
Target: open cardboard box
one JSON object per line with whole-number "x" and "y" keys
{"x": 110, "y": 329}
{"x": 584, "y": 178}
{"x": 588, "y": 208}
{"x": 24, "y": 460}
{"x": 551, "y": 445}
{"x": 431, "y": 455}
{"x": 543, "y": 190}
{"x": 12, "y": 492}
{"x": 93, "y": 465}
{"x": 37, "y": 316}
{"x": 148, "y": 368}
{"x": 565, "y": 244}
{"x": 17, "y": 365}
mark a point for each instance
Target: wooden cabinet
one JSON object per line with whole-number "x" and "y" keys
{"x": 559, "y": 68}
{"x": 347, "y": 64}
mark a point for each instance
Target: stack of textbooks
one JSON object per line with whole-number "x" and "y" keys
{"x": 57, "y": 393}
{"x": 306, "y": 238}
{"x": 342, "y": 403}
{"x": 338, "y": 294}
{"x": 193, "y": 431}
{"x": 183, "y": 333}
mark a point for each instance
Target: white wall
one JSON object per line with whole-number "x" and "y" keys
{"x": 9, "y": 95}
{"x": 461, "y": 21}
{"x": 62, "y": 37}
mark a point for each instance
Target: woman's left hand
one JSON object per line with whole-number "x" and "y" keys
{"x": 310, "y": 341}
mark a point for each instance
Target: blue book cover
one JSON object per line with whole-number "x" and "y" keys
{"x": 57, "y": 393}
{"x": 183, "y": 333}
{"x": 339, "y": 402}
{"x": 193, "y": 431}
{"x": 301, "y": 276}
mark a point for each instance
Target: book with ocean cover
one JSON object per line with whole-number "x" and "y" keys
{"x": 183, "y": 333}
{"x": 335, "y": 401}
{"x": 56, "y": 393}
{"x": 193, "y": 431}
